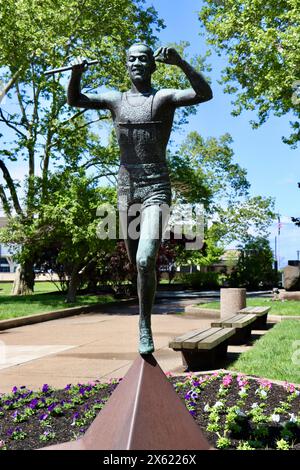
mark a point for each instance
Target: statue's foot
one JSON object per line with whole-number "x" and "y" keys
{"x": 146, "y": 345}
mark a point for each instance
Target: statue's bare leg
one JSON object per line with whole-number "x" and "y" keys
{"x": 150, "y": 239}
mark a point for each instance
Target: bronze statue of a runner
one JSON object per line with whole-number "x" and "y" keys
{"x": 143, "y": 119}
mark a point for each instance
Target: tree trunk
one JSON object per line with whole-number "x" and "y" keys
{"x": 24, "y": 279}
{"x": 73, "y": 286}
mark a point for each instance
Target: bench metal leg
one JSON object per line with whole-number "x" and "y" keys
{"x": 241, "y": 336}
{"x": 260, "y": 323}
{"x": 202, "y": 359}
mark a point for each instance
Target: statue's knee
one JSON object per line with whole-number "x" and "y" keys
{"x": 145, "y": 264}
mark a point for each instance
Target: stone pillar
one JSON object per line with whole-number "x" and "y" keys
{"x": 232, "y": 300}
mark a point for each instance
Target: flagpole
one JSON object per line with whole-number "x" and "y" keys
{"x": 277, "y": 248}
{"x": 275, "y": 256}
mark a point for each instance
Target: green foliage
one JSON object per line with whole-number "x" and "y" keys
{"x": 261, "y": 41}
{"x": 254, "y": 268}
{"x": 201, "y": 280}
{"x": 203, "y": 171}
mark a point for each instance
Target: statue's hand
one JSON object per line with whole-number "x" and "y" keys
{"x": 167, "y": 55}
{"x": 79, "y": 65}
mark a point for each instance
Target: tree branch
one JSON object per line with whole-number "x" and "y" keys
{"x": 24, "y": 116}
{"x": 5, "y": 202}
{"x": 11, "y": 83}
{"x": 11, "y": 187}
{"x": 12, "y": 126}
{"x": 75, "y": 116}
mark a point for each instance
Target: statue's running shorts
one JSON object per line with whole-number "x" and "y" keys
{"x": 145, "y": 184}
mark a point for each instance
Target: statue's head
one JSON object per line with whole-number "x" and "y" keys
{"x": 140, "y": 62}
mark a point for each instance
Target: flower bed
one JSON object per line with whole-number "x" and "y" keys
{"x": 234, "y": 411}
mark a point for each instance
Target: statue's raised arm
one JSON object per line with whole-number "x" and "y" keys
{"x": 200, "y": 90}
{"x": 80, "y": 100}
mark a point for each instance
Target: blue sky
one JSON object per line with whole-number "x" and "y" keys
{"x": 273, "y": 168}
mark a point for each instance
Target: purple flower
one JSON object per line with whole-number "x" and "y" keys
{"x": 15, "y": 389}
{"x": 33, "y": 403}
{"x": 75, "y": 416}
{"x": 43, "y": 416}
{"x": 196, "y": 383}
{"x": 192, "y": 403}
{"x": 82, "y": 390}
{"x": 51, "y": 407}
{"x": 192, "y": 412}
{"x": 15, "y": 414}
{"x": 45, "y": 388}
{"x": 68, "y": 387}
{"x": 9, "y": 432}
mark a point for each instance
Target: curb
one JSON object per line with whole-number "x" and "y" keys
{"x": 56, "y": 314}
{"x": 204, "y": 312}
{"x": 279, "y": 318}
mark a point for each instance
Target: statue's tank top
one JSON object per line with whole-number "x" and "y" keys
{"x": 139, "y": 137}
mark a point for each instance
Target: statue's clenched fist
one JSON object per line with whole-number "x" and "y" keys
{"x": 167, "y": 55}
{"x": 79, "y": 65}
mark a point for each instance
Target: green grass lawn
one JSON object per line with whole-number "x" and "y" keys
{"x": 278, "y": 307}
{"x": 276, "y": 355}
{"x": 43, "y": 300}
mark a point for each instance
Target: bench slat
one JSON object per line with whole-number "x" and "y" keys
{"x": 216, "y": 338}
{"x": 176, "y": 343}
{"x": 193, "y": 342}
{"x": 259, "y": 311}
{"x": 237, "y": 321}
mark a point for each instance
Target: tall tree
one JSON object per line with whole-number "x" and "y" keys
{"x": 260, "y": 39}
{"x": 204, "y": 171}
{"x": 254, "y": 269}
{"x": 37, "y": 126}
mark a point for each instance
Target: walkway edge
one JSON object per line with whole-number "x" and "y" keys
{"x": 56, "y": 314}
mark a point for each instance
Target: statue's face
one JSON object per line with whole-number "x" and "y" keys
{"x": 139, "y": 64}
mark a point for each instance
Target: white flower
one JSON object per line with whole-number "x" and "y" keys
{"x": 207, "y": 408}
{"x": 2, "y": 444}
{"x": 239, "y": 412}
{"x": 263, "y": 393}
{"x": 297, "y": 392}
{"x": 254, "y": 405}
{"x": 218, "y": 404}
{"x": 275, "y": 418}
{"x": 242, "y": 391}
{"x": 293, "y": 418}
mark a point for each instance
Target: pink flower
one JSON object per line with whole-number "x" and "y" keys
{"x": 242, "y": 381}
{"x": 265, "y": 384}
{"x": 289, "y": 387}
{"x": 227, "y": 380}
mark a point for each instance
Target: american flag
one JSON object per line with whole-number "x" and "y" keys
{"x": 279, "y": 224}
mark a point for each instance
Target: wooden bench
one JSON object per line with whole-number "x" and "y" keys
{"x": 261, "y": 315}
{"x": 243, "y": 324}
{"x": 203, "y": 349}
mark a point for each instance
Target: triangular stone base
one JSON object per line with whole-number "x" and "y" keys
{"x": 143, "y": 413}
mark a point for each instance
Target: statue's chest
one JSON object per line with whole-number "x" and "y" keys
{"x": 135, "y": 110}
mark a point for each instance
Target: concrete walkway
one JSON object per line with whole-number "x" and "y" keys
{"x": 93, "y": 346}
{"x": 89, "y": 346}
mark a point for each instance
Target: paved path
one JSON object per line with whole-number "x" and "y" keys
{"x": 92, "y": 346}
{"x": 89, "y": 346}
